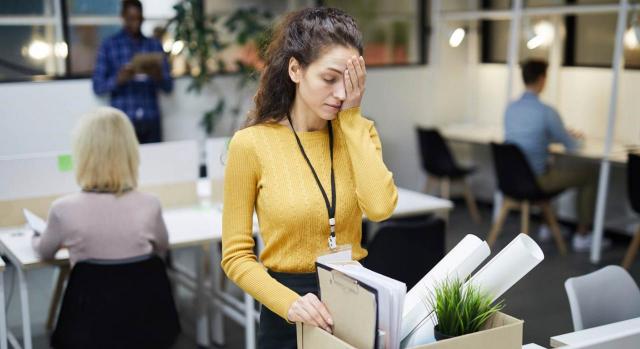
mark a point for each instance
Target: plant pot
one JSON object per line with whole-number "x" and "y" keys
{"x": 439, "y": 335}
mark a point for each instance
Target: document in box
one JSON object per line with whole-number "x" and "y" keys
{"x": 36, "y": 223}
{"x": 390, "y": 300}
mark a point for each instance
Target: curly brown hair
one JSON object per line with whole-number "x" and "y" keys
{"x": 304, "y": 35}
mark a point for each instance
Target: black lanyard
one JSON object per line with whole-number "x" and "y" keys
{"x": 331, "y": 207}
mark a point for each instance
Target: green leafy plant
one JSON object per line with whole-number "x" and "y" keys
{"x": 461, "y": 309}
{"x": 206, "y": 36}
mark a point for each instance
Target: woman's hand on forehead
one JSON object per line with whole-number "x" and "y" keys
{"x": 354, "y": 81}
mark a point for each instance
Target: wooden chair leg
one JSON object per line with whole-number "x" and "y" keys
{"x": 57, "y": 296}
{"x": 497, "y": 226}
{"x": 471, "y": 203}
{"x": 630, "y": 256}
{"x": 445, "y": 184}
{"x": 429, "y": 184}
{"x": 524, "y": 217}
{"x": 553, "y": 226}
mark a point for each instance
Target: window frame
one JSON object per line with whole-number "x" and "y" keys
{"x": 66, "y": 22}
{"x": 424, "y": 34}
{"x": 568, "y": 55}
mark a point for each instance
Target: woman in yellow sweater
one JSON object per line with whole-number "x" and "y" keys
{"x": 309, "y": 164}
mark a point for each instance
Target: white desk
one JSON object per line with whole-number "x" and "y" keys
{"x": 191, "y": 226}
{"x": 188, "y": 227}
{"x": 3, "y": 314}
{"x": 412, "y": 203}
{"x": 591, "y": 148}
{"x": 532, "y": 346}
{"x": 594, "y": 333}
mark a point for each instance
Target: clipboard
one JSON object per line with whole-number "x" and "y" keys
{"x": 353, "y": 306}
{"x": 144, "y": 62}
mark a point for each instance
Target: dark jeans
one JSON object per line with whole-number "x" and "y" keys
{"x": 148, "y": 131}
{"x": 275, "y": 332}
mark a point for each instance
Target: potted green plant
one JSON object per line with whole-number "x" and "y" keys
{"x": 207, "y": 37}
{"x": 461, "y": 308}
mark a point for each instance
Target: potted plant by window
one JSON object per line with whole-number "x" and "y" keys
{"x": 461, "y": 308}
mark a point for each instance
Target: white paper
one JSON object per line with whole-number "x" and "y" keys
{"x": 36, "y": 223}
{"x": 509, "y": 266}
{"x": 459, "y": 263}
{"x": 391, "y": 294}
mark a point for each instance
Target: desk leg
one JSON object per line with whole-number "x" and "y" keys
{"x": 3, "y": 316}
{"x": 202, "y": 335}
{"x": 217, "y": 316}
{"x": 24, "y": 303}
{"x": 63, "y": 273}
{"x": 250, "y": 323}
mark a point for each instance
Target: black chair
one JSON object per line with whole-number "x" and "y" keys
{"x": 441, "y": 167}
{"x": 407, "y": 250}
{"x": 633, "y": 187}
{"x": 519, "y": 187}
{"x": 126, "y": 305}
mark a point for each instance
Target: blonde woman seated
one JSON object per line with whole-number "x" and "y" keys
{"x": 109, "y": 219}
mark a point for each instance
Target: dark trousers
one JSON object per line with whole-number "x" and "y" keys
{"x": 148, "y": 131}
{"x": 275, "y": 332}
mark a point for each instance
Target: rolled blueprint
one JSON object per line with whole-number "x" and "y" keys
{"x": 509, "y": 266}
{"x": 460, "y": 262}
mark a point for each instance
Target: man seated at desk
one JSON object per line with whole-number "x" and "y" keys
{"x": 533, "y": 126}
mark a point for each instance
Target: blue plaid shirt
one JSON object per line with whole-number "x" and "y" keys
{"x": 137, "y": 98}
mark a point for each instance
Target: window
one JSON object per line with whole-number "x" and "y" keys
{"x": 536, "y": 37}
{"x": 31, "y": 43}
{"x": 589, "y": 38}
{"x": 394, "y": 31}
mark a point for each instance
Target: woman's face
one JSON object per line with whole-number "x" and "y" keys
{"x": 320, "y": 86}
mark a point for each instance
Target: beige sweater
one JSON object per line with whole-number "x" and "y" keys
{"x": 104, "y": 226}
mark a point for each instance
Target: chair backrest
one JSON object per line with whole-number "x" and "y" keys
{"x": 117, "y": 305}
{"x": 633, "y": 181}
{"x": 604, "y": 296}
{"x": 405, "y": 250}
{"x": 435, "y": 154}
{"x": 515, "y": 177}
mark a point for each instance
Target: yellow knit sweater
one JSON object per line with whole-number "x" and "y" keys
{"x": 265, "y": 170}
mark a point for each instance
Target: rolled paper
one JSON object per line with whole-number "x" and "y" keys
{"x": 460, "y": 262}
{"x": 515, "y": 261}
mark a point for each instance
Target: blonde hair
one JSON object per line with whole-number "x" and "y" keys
{"x": 106, "y": 152}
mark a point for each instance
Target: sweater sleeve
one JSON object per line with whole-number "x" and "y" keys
{"x": 238, "y": 258}
{"x": 159, "y": 230}
{"x": 376, "y": 192}
{"x": 52, "y": 238}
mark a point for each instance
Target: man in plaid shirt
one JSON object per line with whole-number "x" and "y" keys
{"x": 134, "y": 94}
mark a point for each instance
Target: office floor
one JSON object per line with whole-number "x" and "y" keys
{"x": 539, "y": 298}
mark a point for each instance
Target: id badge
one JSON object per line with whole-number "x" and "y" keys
{"x": 341, "y": 253}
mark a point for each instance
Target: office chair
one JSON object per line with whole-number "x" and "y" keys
{"x": 117, "y": 304}
{"x": 518, "y": 184}
{"x": 633, "y": 187}
{"x": 602, "y": 297}
{"x": 440, "y": 166}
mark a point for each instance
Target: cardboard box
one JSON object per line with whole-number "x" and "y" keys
{"x": 500, "y": 332}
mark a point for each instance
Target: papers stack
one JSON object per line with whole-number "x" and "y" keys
{"x": 362, "y": 303}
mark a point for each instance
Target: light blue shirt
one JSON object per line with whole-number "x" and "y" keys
{"x": 533, "y": 125}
